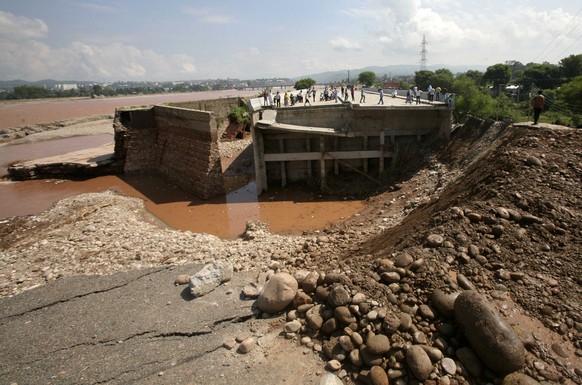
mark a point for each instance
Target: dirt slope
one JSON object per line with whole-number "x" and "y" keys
{"x": 510, "y": 222}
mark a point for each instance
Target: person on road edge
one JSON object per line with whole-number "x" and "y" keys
{"x": 537, "y": 102}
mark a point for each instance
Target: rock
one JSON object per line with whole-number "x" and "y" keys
{"x": 339, "y": 296}
{"x": 378, "y": 376}
{"x": 464, "y": 282}
{"x": 559, "y": 350}
{"x": 309, "y": 283}
{"x": 330, "y": 379}
{"x": 292, "y": 327}
{"x": 346, "y": 343}
{"x": 494, "y": 341}
{"x": 434, "y": 354}
{"x": 210, "y": 277}
{"x": 251, "y": 291}
{"x": 301, "y": 298}
{"x": 331, "y": 278}
{"x": 247, "y": 345}
{"x": 435, "y": 240}
{"x": 502, "y": 212}
{"x": 426, "y": 312}
{"x": 356, "y": 358}
{"x": 519, "y": 379}
{"x": 403, "y": 260}
{"x": 533, "y": 161}
{"x": 405, "y": 321}
{"x": 418, "y": 362}
{"x": 444, "y": 302}
{"x": 242, "y": 336}
{"x": 369, "y": 358}
{"x": 378, "y": 344}
{"x": 529, "y": 219}
{"x": 449, "y": 365}
{"x": 277, "y": 293}
{"x": 474, "y": 217}
{"x": 314, "y": 318}
{"x": 470, "y": 361}
{"x": 182, "y": 279}
{"x": 358, "y": 298}
{"x": 390, "y": 277}
{"x": 333, "y": 365}
{"x": 329, "y": 326}
{"x": 343, "y": 315}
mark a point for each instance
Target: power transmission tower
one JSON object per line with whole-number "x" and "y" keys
{"x": 423, "y": 53}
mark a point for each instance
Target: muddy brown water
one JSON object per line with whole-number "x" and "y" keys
{"x": 287, "y": 211}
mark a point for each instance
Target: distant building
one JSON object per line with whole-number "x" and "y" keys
{"x": 391, "y": 84}
{"x": 66, "y": 86}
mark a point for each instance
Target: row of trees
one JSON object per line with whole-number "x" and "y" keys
{"x": 483, "y": 94}
{"x": 36, "y": 92}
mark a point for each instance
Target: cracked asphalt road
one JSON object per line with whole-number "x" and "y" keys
{"x": 138, "y": 327}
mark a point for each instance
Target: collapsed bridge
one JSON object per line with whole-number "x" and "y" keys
{"x": 298, "y": 144}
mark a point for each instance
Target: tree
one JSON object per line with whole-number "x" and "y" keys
{"x": 476, "y": 76}
{"x": 542, "y": 75}
{"x": 30, "y": 92}
{"x": 471, "y": 101}
{"x": 571, "y": 95}
{"x": 304, "y": 83}
{"x": 424, "y": 78}
{"x": 497, "y": 74}
{"x": 97, "y": 90}
{"x": 367, "y": 78}
{"x": 571, "y": 66}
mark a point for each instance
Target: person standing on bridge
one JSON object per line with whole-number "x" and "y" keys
{"x": 537, "y": 103}
{"x": 381, "y": 91}
{"x": 362, "y": 95}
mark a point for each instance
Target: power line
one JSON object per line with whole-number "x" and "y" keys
{"x": 558, "y": 35}
{"x": 570, "y": 46}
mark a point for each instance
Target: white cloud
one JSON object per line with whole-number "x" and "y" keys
{"x": 17, "y": 28}
{"x": 210, "y": 15}
{"x": 344, "y": 44}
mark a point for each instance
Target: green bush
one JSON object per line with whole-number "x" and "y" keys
{"x": 239, "y": 115}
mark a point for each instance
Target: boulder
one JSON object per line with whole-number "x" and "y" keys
{"x": 490, "y": 336}
{"x": 277, "y": 293}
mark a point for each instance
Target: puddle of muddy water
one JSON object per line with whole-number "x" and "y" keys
{"x": 287, "y": 211}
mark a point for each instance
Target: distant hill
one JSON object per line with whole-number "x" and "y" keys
{"x": 390, "y": 70}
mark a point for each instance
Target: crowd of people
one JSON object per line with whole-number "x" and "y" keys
{"x": 347, "y": 93}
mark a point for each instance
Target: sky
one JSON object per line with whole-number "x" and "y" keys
{"x": 160, "y": 40}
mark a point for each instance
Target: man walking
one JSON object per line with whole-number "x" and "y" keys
{"x": 363, "y": 95}
{"x": 381, "y": 91}
{"x": 537, "y": 103}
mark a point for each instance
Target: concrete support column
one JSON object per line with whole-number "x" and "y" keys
{"x": 259, "y": 155}
{"x": 365, "y": 160}
{"x": 283, "y": 169}
{"x": 381, "y": 164}
{"x": 322, "y": 182}
{"x": 335, "y": 161}
{"x": 308, "y": 149}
